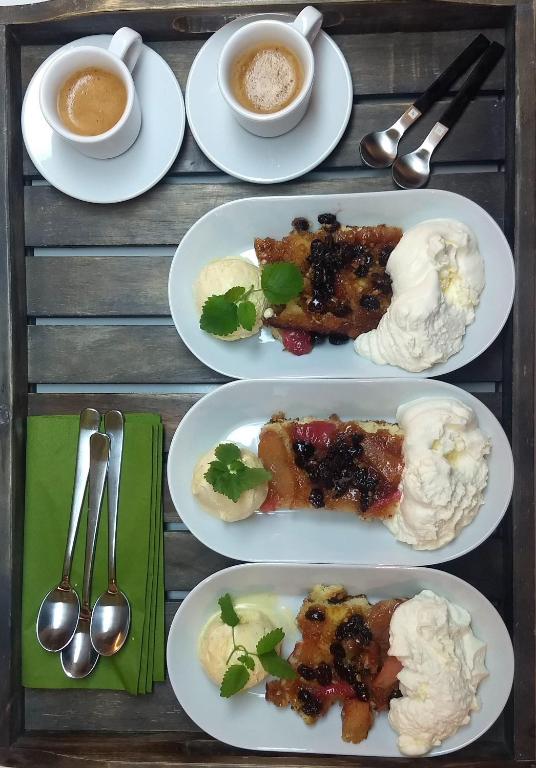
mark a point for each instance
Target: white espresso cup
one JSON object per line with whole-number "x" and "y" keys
{"x": 119, "y": 58}
{"x": 297, "y": 36}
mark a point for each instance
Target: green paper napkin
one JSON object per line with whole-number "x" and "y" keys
{"x": 50, "y": 465}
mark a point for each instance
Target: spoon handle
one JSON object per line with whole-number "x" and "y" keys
{"x": 446, "y": 79}
{"x": 99, "y": 449}
{"x": 472, "y": 85}
{"x": 113, "y": 426}
{"x": 89, "y": 423}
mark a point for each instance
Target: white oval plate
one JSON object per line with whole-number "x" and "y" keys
{"x": 230, "y": 230}
{"x": 237, "y": 411}
{"x": 249, "y": 722}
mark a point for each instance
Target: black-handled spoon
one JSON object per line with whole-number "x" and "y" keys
{"x": 413, "y": 170}
{"x": 378, "y": 149}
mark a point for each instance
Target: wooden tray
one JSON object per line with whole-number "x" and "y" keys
{"x": 74, "y": 311}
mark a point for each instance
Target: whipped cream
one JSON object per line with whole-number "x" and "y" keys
{"x": 437, "y": 276}
{"x": 442, "y": 666}
{"x": 445, "y": 472}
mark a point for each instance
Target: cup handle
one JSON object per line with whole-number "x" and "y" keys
{"x": 308, "y": 23}
{"x": 126, "y": 44}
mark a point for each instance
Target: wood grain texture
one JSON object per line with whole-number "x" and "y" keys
{"x": 479, "y": 137}
{"x": 13, "y": 386}
{"x": 165, "y": 213}
{"x": 153, "y": 354}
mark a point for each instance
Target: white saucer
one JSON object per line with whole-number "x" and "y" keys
{"x": 135, "y": 171}
{"x": 268, "y": 161}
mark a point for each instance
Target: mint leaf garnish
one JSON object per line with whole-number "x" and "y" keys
{"x": 228, "y": 614}
{"x": 230, "y": 476}
{"x": 234, "y": 680}
{"x": 247, "y": 314}
{"x": 219, "y": 316}
{"x": 276, "y": 666}
{"x": 247, "y": 661}
{"x": 270, "y": 641}
{"x": 234, "y": 294}
{"x": 281, "y": 282}
{"x": 227, "y": 452}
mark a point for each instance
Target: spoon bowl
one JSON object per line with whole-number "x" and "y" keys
{"x": 58, "y": 617}
{"x": 378, "y": 149}
{"x": 79, "y": 658}
{"x": 412, "y": 171}
{"x": 110, "y": 622}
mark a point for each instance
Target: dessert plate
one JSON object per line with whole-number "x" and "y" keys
{"x": 230, "y": 230}
{"x": 237, "y": 411}
{"x": 132, "y": 173}
{"x": 249, "y": 722}
{"x": 252, "y": 158}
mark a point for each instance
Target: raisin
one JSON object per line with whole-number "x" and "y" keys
{"x": 308, "y": 673}
{"x": 316, "y": 498}
{"x": 315, "y": 614}
{"x": 354, "y": 627}
{"x": 311, "y": 705}
{"x": 323, "y": 673}
{"x": 338, "y": 338}
{"x": 337, "y": 651}
{"x": 369, "y": 302}
{"x": 300, "y": 224}
{"x": 361, "y": 691}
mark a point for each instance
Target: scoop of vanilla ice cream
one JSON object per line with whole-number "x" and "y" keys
{"x": 218, "y": 504}
{"x": 217, "y": 277}
{"x": 216, "y": 643}
{"x": 445, "y": 472}
{"x": 442, "y": 666}
{"x": 437, "y": 276}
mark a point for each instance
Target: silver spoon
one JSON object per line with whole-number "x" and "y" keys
{"x": 378, "y": 149}
{"x": 58, "y": 614}
{"x": 110, "y": 620}
{"x": 79, "y": 658}
{"x": 413, "y": 170}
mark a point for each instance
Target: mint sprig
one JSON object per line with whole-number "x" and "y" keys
{"x": 223, "y": 314}
{"x": 230, "y": 476}
{"x": 237, "y": 675}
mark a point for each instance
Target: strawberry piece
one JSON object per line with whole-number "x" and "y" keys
{"x": 297, "y": 342}
{"x": 318, "y": 433}
{"x": 340, "y": 690}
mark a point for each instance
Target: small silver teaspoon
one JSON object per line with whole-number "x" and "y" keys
{"x": 78, "y": 659}
{"x": 110, "y": 620}
{"x": 413, "y": 170}
{"x": 379, "y": 149}
{"x": 58, "y": 614}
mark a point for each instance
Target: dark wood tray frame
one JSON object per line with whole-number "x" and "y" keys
{"x": 60, "y": 20}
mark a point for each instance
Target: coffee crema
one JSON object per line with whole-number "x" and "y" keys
{"x": 266, "y": 78}
{"x": 91, "y": 101}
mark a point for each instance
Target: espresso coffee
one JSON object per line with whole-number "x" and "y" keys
{"x": 91, "y": 101}
{"x": 266, "y": 78}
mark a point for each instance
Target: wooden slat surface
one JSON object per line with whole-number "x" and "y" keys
{"x": 163, "y": 215}
{"x": 152, "y": 354}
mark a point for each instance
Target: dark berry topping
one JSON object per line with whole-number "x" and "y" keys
{"x": 315, "y": 614}
{"x": 310, "y": 704}
{"x": 340, "y": 309}
{"x": 323, "y": 673}
{"x": 354, "y": 628}
{"x": 303, "y": 449}
{"x": 345, "y": 670}
{"x": 308, "y": 673}
{"x": 396, "y": 694}
{"x": 357, "y": 442}
{"x": 300, "y": 224}
{"x": 361, "y": 691}
{"x": 386, "y": 251}
{"x": 338, "y": 338}
{"x": 328, "y": 221}
{"x": 369, "y": 302}
{"x": 361, "y": 270}
{"x": 383, "y": 284}
{"x": 318, "y": 338}
{"x": 316, "y": 498}
{"x": 316, "y": 305}
{"x": 337, "y": 650}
